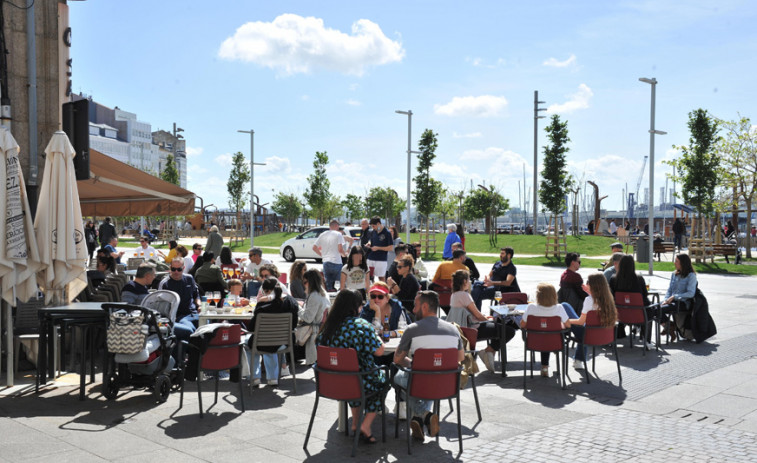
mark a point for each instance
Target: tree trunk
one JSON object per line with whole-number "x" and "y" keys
{"x": 748, "y": 240}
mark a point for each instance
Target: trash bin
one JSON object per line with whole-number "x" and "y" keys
{"x": 642, "y": 249}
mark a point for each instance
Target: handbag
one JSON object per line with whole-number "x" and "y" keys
{"x": 125, "y": 334}
{"x": 302, "y": 333}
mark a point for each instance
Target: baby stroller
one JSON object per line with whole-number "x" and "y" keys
{"x": 140, "y": 344}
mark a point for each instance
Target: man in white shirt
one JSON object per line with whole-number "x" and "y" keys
{"x": 145, "y": 250}
{"x": 251, "y": 270}
{"x": 330, "y": 246}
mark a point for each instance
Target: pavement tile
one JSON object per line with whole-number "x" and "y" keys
{"x": 726, "y": 405}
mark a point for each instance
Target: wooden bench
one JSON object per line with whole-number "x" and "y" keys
{"x": 663, "y": 247}
{"x": 726, "y": 250}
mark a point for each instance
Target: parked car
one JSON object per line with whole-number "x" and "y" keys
{"x": 301, "y": 246}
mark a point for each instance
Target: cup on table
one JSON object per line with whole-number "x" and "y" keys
{"x": 497, "y": 296}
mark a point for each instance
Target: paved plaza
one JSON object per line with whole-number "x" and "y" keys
{"x": 685, "y": 402}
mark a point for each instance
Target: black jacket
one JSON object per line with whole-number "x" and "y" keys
{"x": 702, "y": 324}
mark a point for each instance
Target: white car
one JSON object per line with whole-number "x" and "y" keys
{"x": 301, "y": 246}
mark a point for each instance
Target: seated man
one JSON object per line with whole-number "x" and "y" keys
{"x": 252, "y": 270}
{"x": 614, "y": 247}
{"x": 189, "y": 295}
{"x": 501, "y": 278}
{"x": 134, "y": 291}
{"x": 146, "y": 251}
{"x": 468, "y": 263}
{"x": 427, "y": 332}
{"x": 111, "y": 250}
{"x": 444, "y": 271}
{"x": 612, "y": 269}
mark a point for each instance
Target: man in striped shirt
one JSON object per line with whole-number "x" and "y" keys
{"x": 428, "y": 332}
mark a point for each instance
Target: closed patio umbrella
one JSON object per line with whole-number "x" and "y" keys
{"x": 19, "y": 257}
{"x": 58, "y": 224}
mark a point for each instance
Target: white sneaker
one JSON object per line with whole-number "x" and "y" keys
{"x": 488, "y": 359}
{"x": 256, "y": 382}
{"x": 578, "y": 364}
{"x": 273, "y": 382}
{"x": 285, "y": 371}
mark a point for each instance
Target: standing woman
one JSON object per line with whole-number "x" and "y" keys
{"x": 355, "y": 273}
{"x": 316, "y": 303}
{"x": 600, "y": 299}
{"x": 461, "y": 234}
{"x": 296, "y": 285}
{"x": 90, "y": 234}
{"x": 344, "y": 329}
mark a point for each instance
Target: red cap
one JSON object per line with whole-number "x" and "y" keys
{"x": 378, "y": 289}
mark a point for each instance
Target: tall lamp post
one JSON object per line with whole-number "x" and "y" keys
{"x": 409, "y": 114}
{"x": 252, "y": 183}
{"x": 652, "y": 133}
{"x": 536, "y": 165}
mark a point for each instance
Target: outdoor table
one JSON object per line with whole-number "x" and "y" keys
{"x": 206, "y": 317}
{"x": 48, "y": 318}
{"x": 502, "y": 314}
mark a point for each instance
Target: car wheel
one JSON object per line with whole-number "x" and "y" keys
{"x": 289, "y": 254}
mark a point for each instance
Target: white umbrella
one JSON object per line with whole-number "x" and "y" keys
{"x": 19, "y": 257}
{"x": 60, "y": 232}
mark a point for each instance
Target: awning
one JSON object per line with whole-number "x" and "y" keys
{"x": 118, "y": 189}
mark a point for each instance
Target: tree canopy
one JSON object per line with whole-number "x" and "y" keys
{"x": 556, "y": 181}
{"x": 239, "y": 181}
{"x": 384, "y": 202}
{"x": 317, "y": 193}
{"x": 170, "y": 173}
{"x": 487, "y": 204}
{"x": 428, "y": 191}
{"x": 287, "y": 205}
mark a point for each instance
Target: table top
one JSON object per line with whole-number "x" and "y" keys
{"x": 207, "y": 317}
{"x": 504, "y": 311}
{"x": 391, "y": 346}
{"x": 78, "y": 307}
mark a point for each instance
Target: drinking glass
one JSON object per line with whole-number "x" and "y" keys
{"x": 497, "y": 296}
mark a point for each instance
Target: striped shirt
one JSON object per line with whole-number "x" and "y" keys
{"x": 430, "y": 333}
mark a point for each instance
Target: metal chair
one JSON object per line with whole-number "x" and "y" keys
{"x": 631, "y": 311}
{"x": 26, "y": 328}
{"x": 274, "y": 330}
{"x": 472, "y": 336}
{"x": 597, "y": 335}
{"x": 545, "y": 334}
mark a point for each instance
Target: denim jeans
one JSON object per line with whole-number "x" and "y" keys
{"x": 332, "y": 273}
{"x": 271, "y": 362}
{"x": 418, "y": 407}
{"x": 186, "y": 326}
{"x": 253, "y": 287}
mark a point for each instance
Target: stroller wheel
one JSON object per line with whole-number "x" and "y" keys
{"x": 162, "y": 388}
{"x": 110, "y": 387}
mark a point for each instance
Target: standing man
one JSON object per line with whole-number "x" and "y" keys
{"x": 137, "y": 289}
{"x": 379, "y": 244}
{"x": 189, "y": 295}
{"x": 215, "y": 241}
{"x": 106, "y": 232}
{"x": 427, "y": 332}
{"x": 613, "y": 227}
{"x": 252, "y": 270}
{"x": 501, "y": 278}
{"x": 678, "y": 230}
{"x": 330, "y": 246}
{"x": 452, "y": 237}
{"x": 110, "y": 249}
{"x": 365, "y": 235}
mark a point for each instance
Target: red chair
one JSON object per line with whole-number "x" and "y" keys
{"x": 435, "y": 375}
{"x": 545, "y": 334}
{"x": 444, "y": 289}
{"x": 472, "y": 336}
{"x": 283, "y": 278}
{"x": 631, "y": 311}
{"x": 514, "y": 298}
{"x": 597, "y": 335}
{"x": 224, "y": 352}
{"x": 338, "y": 377}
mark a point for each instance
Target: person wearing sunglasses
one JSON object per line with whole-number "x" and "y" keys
{"x": 571, "y": 283}
{"x": 379, "y": 306}
{"x": 189, "y": 299}
{"x": 406, "y": 286}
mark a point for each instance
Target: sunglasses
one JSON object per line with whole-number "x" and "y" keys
{"x": 377, "y": 296}
{"x": 177, "y": 269}
{"x": 401, "y": 266}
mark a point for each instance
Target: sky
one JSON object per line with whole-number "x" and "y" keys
{"x": 329, "y": 75}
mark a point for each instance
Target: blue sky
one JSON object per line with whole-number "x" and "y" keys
{"x": 328, "y": 75}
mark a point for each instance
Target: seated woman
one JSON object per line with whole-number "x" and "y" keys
{"x": 266, "y": 271}
{"x": 406, "y": 289}
{"x": 343, "y": 328}
{"x": 311, "y": 313}
{"x": 355, "y": 274}
{"x": 464, "y": 312}
{"x": 296, "y": 287}
{"x": 600, "y": 299}
{"x": 182, "y": 252}
{"x": 380, "y": 306}
{"x": 547, "y": 306}
{"x": 172, "y": 252}
{"x": 626, "y": 280}
{"x": 226, "y": 259}
{"x": 278, "y": 303}
{"x": 209, "y": 276}
{"x": 681, "y": 290}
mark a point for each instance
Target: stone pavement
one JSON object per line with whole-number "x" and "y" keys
{"x": 685, "y": 402}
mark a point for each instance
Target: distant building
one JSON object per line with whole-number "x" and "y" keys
{"x": 167, "y": 143}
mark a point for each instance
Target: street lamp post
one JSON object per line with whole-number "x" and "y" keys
{"x": 409, "y": 114}
{"x": 536, "y": 165}
{"x": 652, "y": 133}
{"x": 252, "y": 183}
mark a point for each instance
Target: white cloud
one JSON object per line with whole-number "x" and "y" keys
{"x": 553, "y": 62}
{"x": 576, "y": 101}
{"x": 275, "y": 165}
{"x": 294, "y": 44}
{"x": 467, "y": 135}
{"x": 223, "y": 159}
{"x": 480, "y": 62}
{"x": 194, "y": 151}
{"x": 479, "y": 106}
{"x": 353, "y": 102}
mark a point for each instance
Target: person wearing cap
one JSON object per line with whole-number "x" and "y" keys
{"x": 614, "y": 247}
{"x": 331, "y": 247}
{"x": 380, "y": 306}
{"x": 612, "y": 268}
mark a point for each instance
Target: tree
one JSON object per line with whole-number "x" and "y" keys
{"x": 170, "y": 173}
{"x": 428, "y": 191}
{"x": 738, "y": 152}
{"x": 384, "y": 202}
{"x": 487, "y": 204}
{"x": 556, "y": 181}
{"x": 239, "y": 181}
{"x": 697, "y": 167}
{"x": 317, "y": 193}
{"x": 288, "y": 205}
{"x": 334, "y": 208}
{"x": 354, "y": 207}
{"x": 448, "y": 204}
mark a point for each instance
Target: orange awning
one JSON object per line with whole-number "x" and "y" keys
{"x": 118, "y": 189}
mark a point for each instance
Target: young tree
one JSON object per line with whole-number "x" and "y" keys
{"x": 384, "y": 202}
{"x": 448, "y": 204}
{"x": 334, "y": 208}
{"x": 288, "y": 205}
{"x": 317, "y": 193}
{"x": 738, "y": 151}
{"x": 239, "y": 182}
{"x": 170, "y": 173}
{"x": 487, "y": 204}
{"x": 428, "y": 191}
{"x": 354, "y": 207}
{"x": 697, "y": 167}
{"x": 556, "y": 181}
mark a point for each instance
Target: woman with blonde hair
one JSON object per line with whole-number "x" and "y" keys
{"x": 600, "y": 299}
